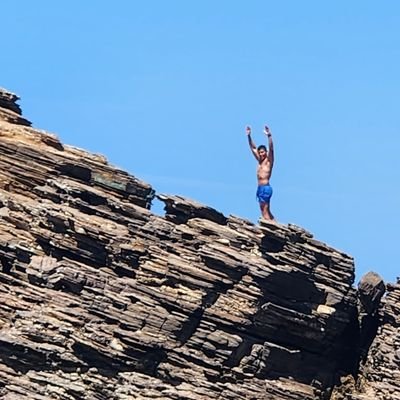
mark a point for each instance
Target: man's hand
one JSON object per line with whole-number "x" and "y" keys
{"x": 267, "y": 131}
{"x": 248, "y": 130}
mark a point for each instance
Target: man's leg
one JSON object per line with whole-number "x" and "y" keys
{"x": 265, "y": 211}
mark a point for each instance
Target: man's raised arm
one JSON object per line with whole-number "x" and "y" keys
{"x": 252, "y": 145}
{"x": 270, "y": 144}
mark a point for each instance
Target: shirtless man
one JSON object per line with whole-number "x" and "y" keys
{"x": 264, "y": 169}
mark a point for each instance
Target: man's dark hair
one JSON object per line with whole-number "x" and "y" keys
{"x": 261, "y": 147}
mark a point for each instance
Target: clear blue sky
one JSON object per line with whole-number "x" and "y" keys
{"x": 164, "y": 89}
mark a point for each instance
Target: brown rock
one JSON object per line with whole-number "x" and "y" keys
{"x": 102, "y": 299}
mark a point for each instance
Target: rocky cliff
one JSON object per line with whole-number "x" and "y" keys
{"x": 102, "y": 299}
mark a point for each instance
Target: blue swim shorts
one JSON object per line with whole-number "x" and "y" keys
{"x": 264, "y": 193}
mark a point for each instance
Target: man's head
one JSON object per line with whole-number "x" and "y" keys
{"x": 262, "y": 152}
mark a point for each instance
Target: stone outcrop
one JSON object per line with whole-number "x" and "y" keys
{"x": 379, "y": 370}
{"x": 103, "y": 299}
{"x": 10, "y": 111}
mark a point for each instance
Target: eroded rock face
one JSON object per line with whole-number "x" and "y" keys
{"x": 102, "y": 299}
{"x": 9, "y": 109}
{"x": 371, "y": 288}
{"x": 379, "y": 374}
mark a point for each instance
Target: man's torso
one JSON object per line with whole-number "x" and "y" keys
{"x": 264, "y": 170}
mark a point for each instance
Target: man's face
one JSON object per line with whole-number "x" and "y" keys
{"x": 262, "y": 154}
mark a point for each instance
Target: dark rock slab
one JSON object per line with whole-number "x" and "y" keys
{"x": 10, "y": 111}
{"x": 179, "y": 210}
{"x": 371, "y": 288}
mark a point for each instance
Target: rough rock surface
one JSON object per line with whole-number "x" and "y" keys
{"x": 102, "y": 299}
{"x": 379, "y": 375}
{"x": 371, "y": 288}
{"x": 9, "y": 109}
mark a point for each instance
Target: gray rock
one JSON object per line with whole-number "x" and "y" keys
{"x": 371, "y": 288}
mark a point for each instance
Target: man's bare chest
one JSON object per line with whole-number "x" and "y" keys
{"x": 264, "y": 166}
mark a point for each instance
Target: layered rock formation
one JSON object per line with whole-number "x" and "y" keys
{"x": 102, "y": 299}
{"x": 379, "y": 368}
